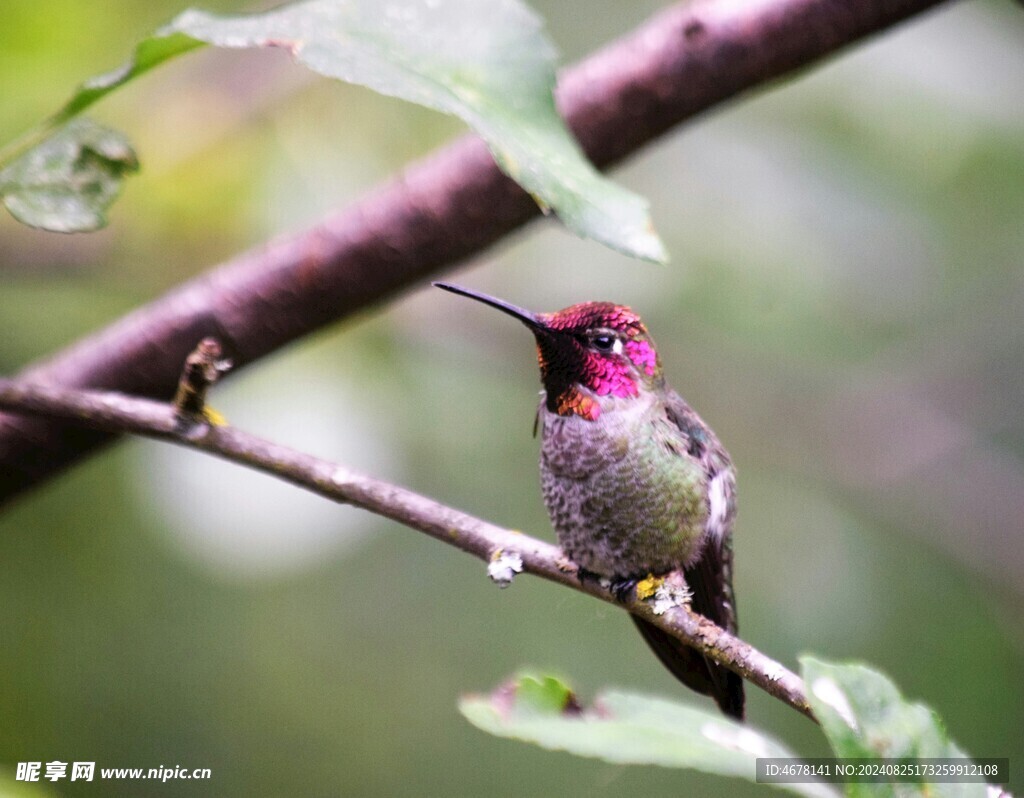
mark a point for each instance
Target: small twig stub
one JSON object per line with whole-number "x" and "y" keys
{"x": 203, "y": 367}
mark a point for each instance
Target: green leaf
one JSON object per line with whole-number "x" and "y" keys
{"x": 150, "y": 52}
{"x": 545, "y": 695}
{"x": 625, "y": 728}
{"x": 67, "y": 182}
{"x": 486, "y": 61}
{"x": 864, "y": 716}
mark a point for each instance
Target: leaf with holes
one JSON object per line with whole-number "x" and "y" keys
{"x": 67, "y": 182}
{"x": 626, "y": 728}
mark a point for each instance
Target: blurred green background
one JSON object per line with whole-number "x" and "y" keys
{"x": 844, "y": 306}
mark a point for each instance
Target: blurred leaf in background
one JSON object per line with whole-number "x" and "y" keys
{"x": 843, "y": 307}
{"x": 488, "y": 63}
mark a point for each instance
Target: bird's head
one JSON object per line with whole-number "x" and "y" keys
{"x": 589, "y": 354}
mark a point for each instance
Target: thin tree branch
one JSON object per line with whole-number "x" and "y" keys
{"x": 440, "y": 211}
{"x": 117, "y": 413}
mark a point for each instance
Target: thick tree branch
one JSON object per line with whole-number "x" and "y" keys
{"x": 117, "y": 413}
{"x": 440, "y": 211}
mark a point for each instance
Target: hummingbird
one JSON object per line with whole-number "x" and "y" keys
{"x": 635, "y": 482}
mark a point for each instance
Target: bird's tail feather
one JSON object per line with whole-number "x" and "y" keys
{"x": 694, "y": 669}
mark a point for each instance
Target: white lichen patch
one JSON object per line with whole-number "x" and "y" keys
{"x": 774, "y": 671}
{"x": 667, "y": 596}
{"x": 829, "y": 692}
{"x": 504, "y": 566}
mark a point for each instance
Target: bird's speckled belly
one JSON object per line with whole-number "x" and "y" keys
{"x": 623, "y": 505}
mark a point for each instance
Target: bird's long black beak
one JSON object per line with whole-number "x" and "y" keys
{"x": 526, "y": 317}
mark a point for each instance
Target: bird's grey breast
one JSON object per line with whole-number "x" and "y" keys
{"x": 617, "y": 497}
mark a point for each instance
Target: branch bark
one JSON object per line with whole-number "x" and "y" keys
{"x": 440, "y": 211}
{"x": 117, "y": 413}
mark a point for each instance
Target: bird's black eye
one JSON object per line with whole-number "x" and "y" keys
{"x": 604, "y": 342}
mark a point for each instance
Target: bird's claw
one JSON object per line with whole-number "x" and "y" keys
{"x": 623, "y": 589}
